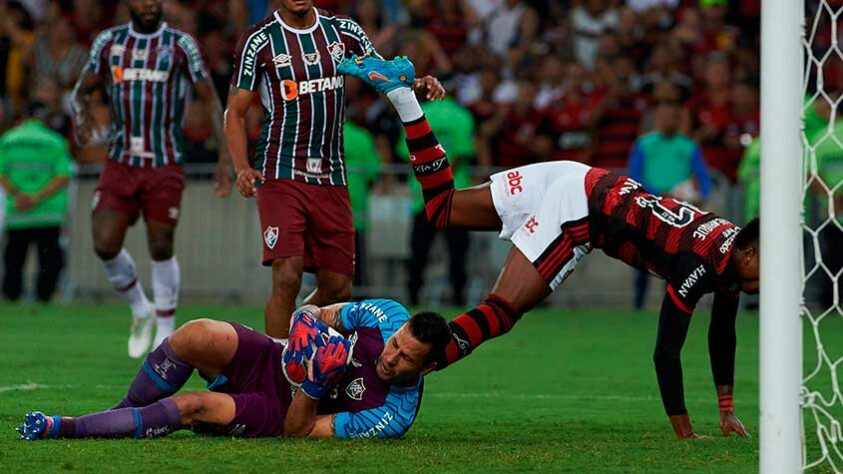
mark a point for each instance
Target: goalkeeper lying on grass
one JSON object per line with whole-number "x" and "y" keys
{"x": 361, "y": 377}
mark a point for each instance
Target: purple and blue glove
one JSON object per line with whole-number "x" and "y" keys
{"x": 301, "y": 344}
{"x": 326, "y": 365}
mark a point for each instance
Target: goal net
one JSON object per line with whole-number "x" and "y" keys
{"x": 822, "y": 138}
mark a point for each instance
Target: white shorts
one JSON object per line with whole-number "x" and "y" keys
{"x": 544, "y": 212}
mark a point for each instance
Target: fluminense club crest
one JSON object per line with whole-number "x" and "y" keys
{"x": 270, "y": 236}
{"x": 355, "y": 389}
{"x": 337, "y": 51}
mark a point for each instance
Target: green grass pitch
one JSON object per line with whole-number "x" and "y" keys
{"x": 567, "y": 391}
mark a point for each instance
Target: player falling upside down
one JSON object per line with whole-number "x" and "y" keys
{"x": 146, "y": 67}
{"x": 366, "y": 381}
{"x": 555, "y": 214}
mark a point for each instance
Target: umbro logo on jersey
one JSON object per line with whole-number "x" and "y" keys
{"x": 337, "y": 51}
{"x": 282, "y": 60}
{"x": 312, "y": 59}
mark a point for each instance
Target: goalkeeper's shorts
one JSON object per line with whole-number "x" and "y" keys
{"x": 544, "y": 212}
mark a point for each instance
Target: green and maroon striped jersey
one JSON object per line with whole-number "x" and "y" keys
{"x": 303, "y": 96}
{"x": 148, "y": 78}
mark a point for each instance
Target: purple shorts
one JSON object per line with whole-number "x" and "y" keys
{"x": 255, "y": 381}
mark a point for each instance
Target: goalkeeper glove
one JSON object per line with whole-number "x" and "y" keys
{"x": 304, "y": 331}
{"x": 327, "y": 365}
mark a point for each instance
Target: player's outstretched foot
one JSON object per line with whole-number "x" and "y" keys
{"x": 384, "y": 76}
{"x": 140, "y": 335}
{"x": 35, "y": 425}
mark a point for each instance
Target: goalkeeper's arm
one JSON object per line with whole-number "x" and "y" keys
{"x": 673, "y": 328}
{"x": 722, "y": 343}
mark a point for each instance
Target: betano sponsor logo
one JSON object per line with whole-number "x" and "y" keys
{"x": 138, "y": 74}
{"x": 292, "y": 89}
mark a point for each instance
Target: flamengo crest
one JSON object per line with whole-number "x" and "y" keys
{"x": 270, "y": 236}
{"x": 337, "y": 51}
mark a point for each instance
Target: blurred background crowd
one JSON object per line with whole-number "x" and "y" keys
{"x": 666, "y": 89}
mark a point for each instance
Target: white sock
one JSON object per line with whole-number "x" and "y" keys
{"x": 166, "y": 278}
{"x": 405, "y": 103}
{"x": 123, "y": 277}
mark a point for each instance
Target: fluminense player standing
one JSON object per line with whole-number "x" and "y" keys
{"x": 299, "y": 177}
{"x": 555, "y": 214}
{"x": 147, "y": 69}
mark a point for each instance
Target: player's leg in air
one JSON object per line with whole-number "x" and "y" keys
{"x": 525, "y": 280}
{"x": 150, "y": 408}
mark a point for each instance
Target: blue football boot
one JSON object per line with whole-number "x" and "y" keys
{"x": 384, "y": 76}
{"x": 35, "y": 425}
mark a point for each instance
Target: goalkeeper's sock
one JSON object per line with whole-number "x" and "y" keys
{"x": 432, "y": 170}
{"x": 162, "y": 374}
{"x": 158, "y": 419}
{"x": 495, "y": 317}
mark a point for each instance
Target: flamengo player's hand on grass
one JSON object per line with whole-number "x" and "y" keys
{"x": 729, "y": 423}
{"x": 246, "y": 181}
{"x": 430, "y": 86}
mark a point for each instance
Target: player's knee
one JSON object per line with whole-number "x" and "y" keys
{"x": 161, "y": 248}
{"x": 339, "y": 292}
{"x": 105, "y": 246}
{"x": 192, "y": 337}
{"x": 286, "y": 279}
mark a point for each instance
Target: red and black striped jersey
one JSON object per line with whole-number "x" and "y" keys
{"x": 674, "y": 240}
{"x": 302, "y": 94}
{"x": 148, "y": 77}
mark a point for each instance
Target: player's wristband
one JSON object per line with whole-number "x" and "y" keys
{"x": 314, "y": 390}
{"x": 726, "y": 403}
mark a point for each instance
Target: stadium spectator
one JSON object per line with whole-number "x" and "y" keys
{"x": 35, "y": 167}
{"x": 454, "y": 127}
{"x": 512, "y": 133}
{"x": 15, "y": 45}
{"x": 708, "y": 114}
{"x": 589, "y": 21}
{"x": 667, "y": 163}
{"x": 510, "y": 28}
{"x": 616, "y": 120}
{"x": 566, "y": 120}
{"x": 56, "y": 53}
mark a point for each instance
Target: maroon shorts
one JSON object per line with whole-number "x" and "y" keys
{"x": 307, "y": 220}
{"x": 255, "y": 381}
{"x": 132, "y": 190}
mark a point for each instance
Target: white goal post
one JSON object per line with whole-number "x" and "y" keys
{"x": 781, "y": 236}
